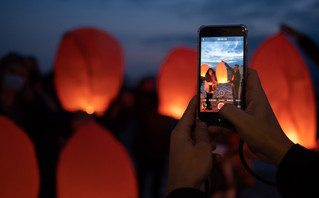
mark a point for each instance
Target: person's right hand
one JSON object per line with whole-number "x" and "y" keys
{"x": 257, "y": 125}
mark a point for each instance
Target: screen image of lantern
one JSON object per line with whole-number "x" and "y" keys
{"x": 225, "y": 55}
{"x": 221, "y": 73}
{"x": 176, "y": 82}
{"x": 287, "y": 83}
{"x": 94, "y": 164}
{"x": 88, "y": 70}
{"x": 203, "y": 70}
{"x": 19, "y": 170}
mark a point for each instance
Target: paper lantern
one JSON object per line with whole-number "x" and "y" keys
{"x": 94, "y": 164}
{"x": 287, "y": 83}
{"x": 203, "y": 70}
{"x": 19, "y": 167}
{"x": 88, "y": 70}
{"x": 176, "y": 82}
{"x": 221, "y": 73}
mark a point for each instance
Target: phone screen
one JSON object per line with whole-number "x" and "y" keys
{"x": 221, "y": 72}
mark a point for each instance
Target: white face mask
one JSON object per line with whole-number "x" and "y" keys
{"x": 13, "y": 82}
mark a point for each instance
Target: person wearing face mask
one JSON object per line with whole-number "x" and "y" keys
{"x": 26, "y": 102}
{"x": 13, "y": 75}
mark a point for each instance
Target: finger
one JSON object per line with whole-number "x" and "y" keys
{"x": 183, "y": 127}
{"x": 253, "y": 81}
{"x": 188, "y": 117}
{"x": 218, "y": 129}
{"x": 217, "y": 157}
{"x": 213, "y": 145}
{"x": 201, "y": 136}
{"x": 254, "y": 93}
{"x": 236, "y": 116}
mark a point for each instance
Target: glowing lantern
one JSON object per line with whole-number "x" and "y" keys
{"x": 18, "y": 168}
{"x": 176, "y": 82}
{"x": 221, "y": 73}
{"x": 88, "y": 70}
{"x": 288, "y": 86}
{"x": 203, "y": 70}
{"x": 94, "y": 164}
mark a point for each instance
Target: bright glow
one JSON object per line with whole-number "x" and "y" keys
{"x": 203, "y": 69}
{"x": 174, "y": 111}
{"x": 288, "y": 127}
{"x": 89, "y": 109}
{"x": 293, "y": 136}
{"x": 221, "y": 73}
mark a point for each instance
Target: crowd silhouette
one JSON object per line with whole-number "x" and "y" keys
{"x": 28, "y": 98}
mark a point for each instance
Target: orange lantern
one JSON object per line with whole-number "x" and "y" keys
{"x": 176, "y": 82}
{"x": 221, "y": 73}
{"x": 94, "y": 164}
{"x": 88, "y": 70}
{"x": 19, "y": 167}
{"x": 203, "y": 69}
{"x": 287, "y": 83}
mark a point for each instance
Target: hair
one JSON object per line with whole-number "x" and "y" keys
{"x": 236, "y": 65}
{"x": 8, "y": 59}
{"x": 207, "y": 73}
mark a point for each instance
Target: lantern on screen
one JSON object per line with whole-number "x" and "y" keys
{"x": 19, "y": 167}
{"x": 221, "y": 73}
{"x": 94, "y": 164}
{"x": 203, "y": 70}
{"x": 287, "y": 83}
{"x": 176, "y": 82}
{"x": 88, "y": 70}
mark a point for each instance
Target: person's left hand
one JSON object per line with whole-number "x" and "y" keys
{"x": 190, "y": 156}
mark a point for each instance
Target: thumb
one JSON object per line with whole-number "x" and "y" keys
{"x": 236, "y": 116}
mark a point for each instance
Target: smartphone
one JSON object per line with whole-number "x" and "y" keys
{"x": 222, "y": 57}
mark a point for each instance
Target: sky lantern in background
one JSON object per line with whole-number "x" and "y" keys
{"x": 88, "y": 70}
{"x": 176, "y": 82}
{"x": 19, "y": 171}
{"x": 94, "y": 164}
{"x": 287, "y": 83}
{"x": 221, "y": 73}
{"x": 203, "y": 70}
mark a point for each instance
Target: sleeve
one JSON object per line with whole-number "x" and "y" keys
{"x": 298, "y": 173}
{"x": 228, "y": 67}
{"x": 186, "y": 193}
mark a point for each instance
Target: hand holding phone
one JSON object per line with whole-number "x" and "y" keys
{"x": 222, "y": 52}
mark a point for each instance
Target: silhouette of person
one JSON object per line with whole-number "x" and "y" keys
{"x": 235, "y": 81}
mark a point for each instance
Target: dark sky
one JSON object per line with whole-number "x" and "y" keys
{"x": 147, "y": 29}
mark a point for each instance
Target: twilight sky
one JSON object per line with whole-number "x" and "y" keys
{"x": 230, "y": 50}
{"x": 147, "y": 29}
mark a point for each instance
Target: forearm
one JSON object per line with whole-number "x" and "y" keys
{"x": 228, "y": 67}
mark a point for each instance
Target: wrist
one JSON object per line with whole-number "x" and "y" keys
{"x": 281, "y": 151}
{"x": 180, "y": 183}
